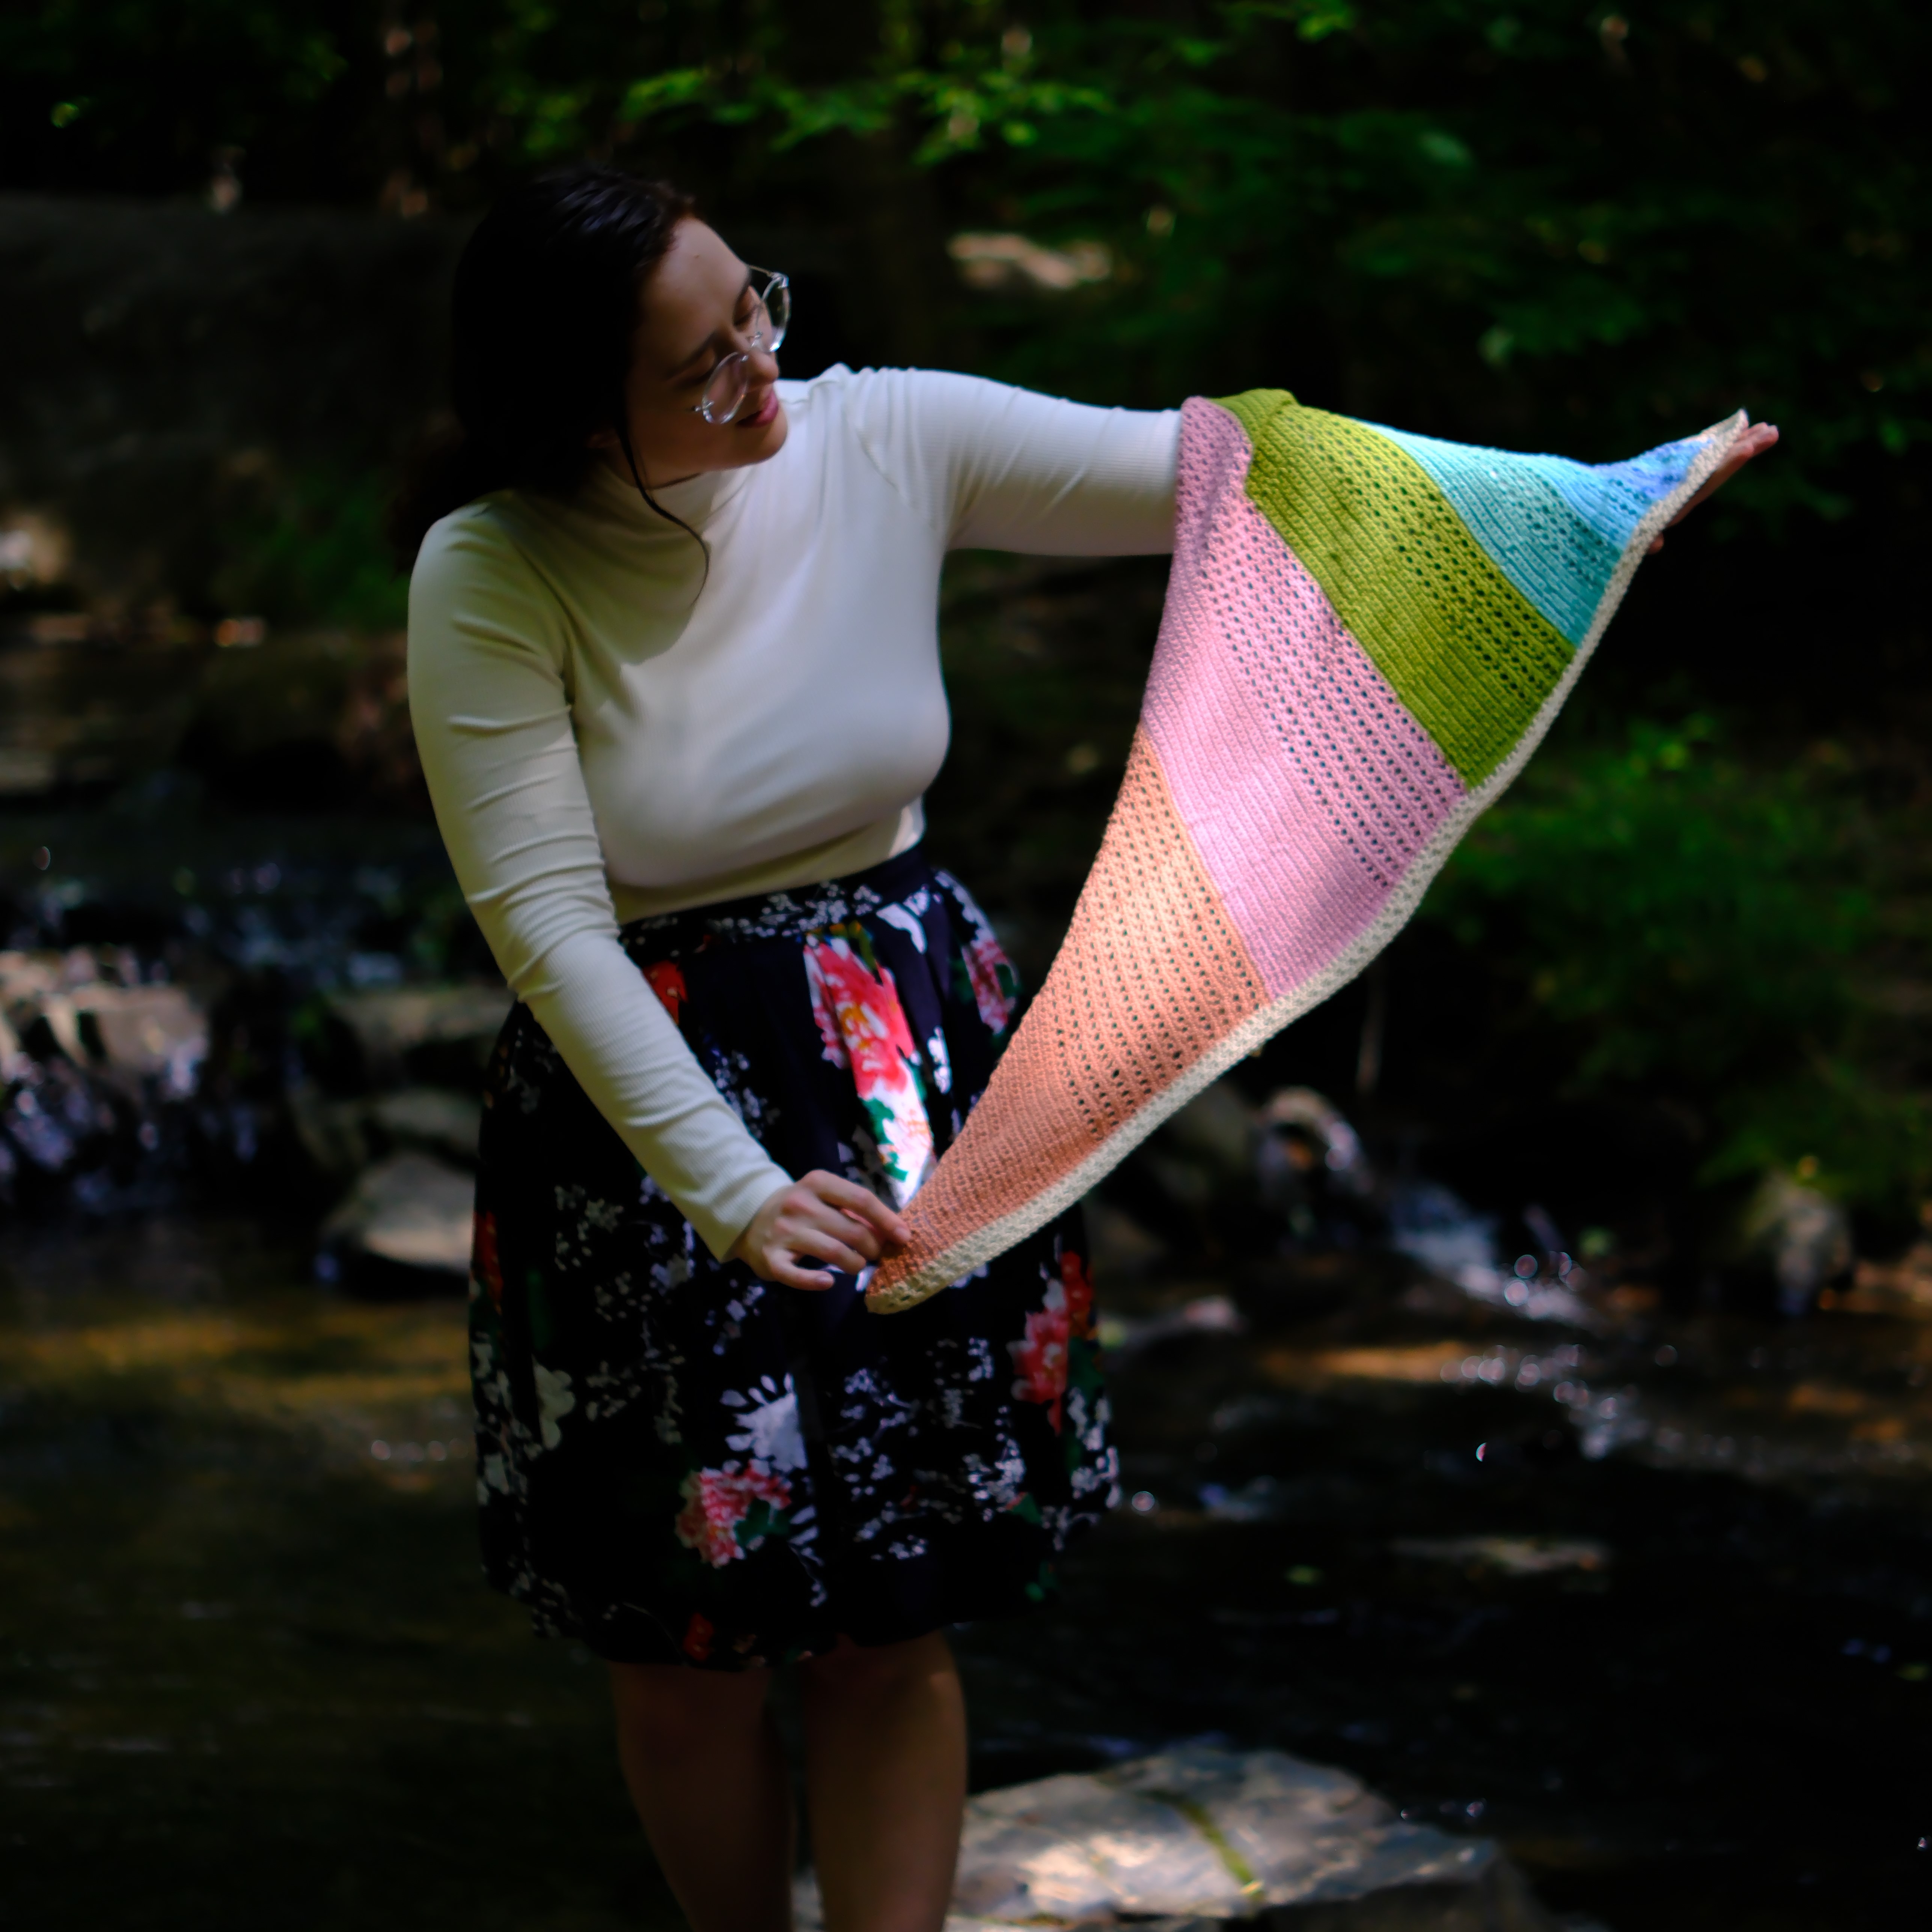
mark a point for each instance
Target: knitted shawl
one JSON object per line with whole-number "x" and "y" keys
{"x": 1367, "y": 634}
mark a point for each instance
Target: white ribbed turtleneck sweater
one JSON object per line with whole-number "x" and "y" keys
{"x": 607, "y": 733}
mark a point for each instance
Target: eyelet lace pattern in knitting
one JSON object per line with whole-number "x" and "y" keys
{"x": 1150, "y": 976}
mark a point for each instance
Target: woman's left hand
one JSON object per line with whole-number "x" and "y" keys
{"x": 1755, "y": 441}
{"x": 822, "y": 1219}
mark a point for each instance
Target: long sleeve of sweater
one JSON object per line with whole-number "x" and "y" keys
{"x": 997, "y": 468}
{"x": 493, "y": 726}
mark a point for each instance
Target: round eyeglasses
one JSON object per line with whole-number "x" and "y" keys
{"x": 730, "y": 382}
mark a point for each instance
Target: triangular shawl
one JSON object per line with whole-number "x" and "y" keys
{"x": 1367, "y": 634}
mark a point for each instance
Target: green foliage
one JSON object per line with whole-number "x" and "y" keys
{"x": 310, "y": 549}
{"x": 1499, "y": 217}
{"x": 138, "y": 95}
{"x": 1658, "y": 882}
{"x": 1480, "y": 217}
{"x": 1695, "y": 925}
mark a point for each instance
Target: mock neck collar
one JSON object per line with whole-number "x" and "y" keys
{"x": 695, "y": 501}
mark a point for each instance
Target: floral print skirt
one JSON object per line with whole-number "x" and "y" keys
{"x": 679, "y": 1462}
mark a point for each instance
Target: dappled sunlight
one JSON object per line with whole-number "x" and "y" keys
{"x": 339, "y": 1376}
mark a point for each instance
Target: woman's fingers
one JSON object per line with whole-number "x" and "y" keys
{"x": 790, "y": 1275}
{"x": 821, "y": 1222}
{"x": 783, "y": 1230}
{"x": 828, "y": 1237}
{"x": 859, "y": 1202}
{"x": 835, "y": 1224}
{"x": 1753, "y": 442}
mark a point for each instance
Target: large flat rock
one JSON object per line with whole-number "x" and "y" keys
{"x": 411, "y": 1211}
{"x": 1197, "y": 1836}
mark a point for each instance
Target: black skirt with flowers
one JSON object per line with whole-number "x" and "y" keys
{"x": 680, "y": 1463}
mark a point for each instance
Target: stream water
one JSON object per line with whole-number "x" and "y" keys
{"x": 247, "y": 1674}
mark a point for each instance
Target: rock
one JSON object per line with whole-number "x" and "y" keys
{"x": 392, "y": 1023}
{"x": 411, "y": 1211}
{"x": 1305, "y": 1128}
{"x": 1217, "y": 1128}
{"x": 52, "y": 1025}
{"x": 341, "y": 1137}
{"x": 27, "y": 979}
{"x": 95, "y": 1063}
{"x": 92, "y": 1004}
{"x": 1499, "y": 1899}
{"x": 432, "y": 1118}
{"x": 1197, "y": 1836}
{"x": 1311, "y": 1170}
{"x": 1223, "y": 1174}
{"x": 1436, "y": 1227}
{"x": 144, "y": 1030}
{"x": 1903, "y": 1287}
{"x": 1202, "y": 1157}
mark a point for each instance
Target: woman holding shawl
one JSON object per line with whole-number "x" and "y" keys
{"x": 675, "y": 674}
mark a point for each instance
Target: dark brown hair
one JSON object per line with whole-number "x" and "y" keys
{"x": 542, "y": 315}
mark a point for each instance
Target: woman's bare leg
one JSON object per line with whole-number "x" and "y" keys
{"x": 701, "y": 1758}
{"x": 886, "y": 1767}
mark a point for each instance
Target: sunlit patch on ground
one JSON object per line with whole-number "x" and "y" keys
{"x": 349, "y": 1384}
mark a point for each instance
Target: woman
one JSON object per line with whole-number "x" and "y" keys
{"x": 674, "y": 673}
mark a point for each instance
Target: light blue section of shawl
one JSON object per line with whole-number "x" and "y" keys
{"x": 1555, "y": 528}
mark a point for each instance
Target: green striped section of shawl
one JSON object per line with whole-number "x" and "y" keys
{"x": 1468, "y": 654}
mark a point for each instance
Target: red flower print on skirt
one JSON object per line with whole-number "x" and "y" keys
{"x": 996, "y": 986}
{"x": 1042, "y": 1356}
{"x": 718, "y": 1502}
{"x": 1077, "y": 1285}
{"x": 864, "y": 1027}
{"x": 666, "y": 979}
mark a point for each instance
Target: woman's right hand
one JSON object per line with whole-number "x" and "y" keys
{"x": 824, "y": 1219}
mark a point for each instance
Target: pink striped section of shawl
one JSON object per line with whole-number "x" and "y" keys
{"x": 1308, "y": 787}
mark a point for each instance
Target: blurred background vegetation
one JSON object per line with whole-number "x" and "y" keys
{"x": 1690, "y": 948}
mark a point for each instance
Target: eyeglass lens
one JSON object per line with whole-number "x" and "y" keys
{"x": 724, "y": 393}
{"x": 775, "y": 298}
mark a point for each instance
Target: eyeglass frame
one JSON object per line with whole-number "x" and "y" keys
{"x": 775, "y": 282}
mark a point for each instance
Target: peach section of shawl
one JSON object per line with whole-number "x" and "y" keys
{"x": 1152, "y": 974}
{"x": 1304, "y": 782}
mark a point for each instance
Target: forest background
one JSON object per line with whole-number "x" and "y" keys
{"x": 1691, "y": 947}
